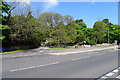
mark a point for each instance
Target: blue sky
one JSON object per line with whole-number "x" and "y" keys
{"x": 90, "y": 12}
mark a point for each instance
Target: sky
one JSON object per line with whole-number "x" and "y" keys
{"x": 90, "y": 12}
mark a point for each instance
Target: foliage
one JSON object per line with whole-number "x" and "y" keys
{"x": 60, "y": 29}
{"x": 99, "y": 31}
{"x": 4, "y": 27}
{"x": 114, "y": 33}
{"x": 25, "y": 30}
{"x": 52, "y": 29}
{"x": 81, "y": 23}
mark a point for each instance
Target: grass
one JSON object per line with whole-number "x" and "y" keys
{"x": 11, "y": 51}
{"x": 62, "y": 48}
{"x": 104, "y": 46}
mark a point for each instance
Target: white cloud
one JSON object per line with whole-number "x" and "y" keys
{"x": 23, "y": 1}
{"x": 49, "y": 4}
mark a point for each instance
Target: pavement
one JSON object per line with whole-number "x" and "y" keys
{"x": 81, "y": 64}
{"x": 39, "y": 51}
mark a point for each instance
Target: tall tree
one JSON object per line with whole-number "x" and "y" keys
{"x": 99, "y": 31}
{"x": 114, "y": 33}
{"x": 106, "y": 21}
{"x": 5, "y": 7}
{"x": 25, "y": 30}
{"x": 81, "y": 23}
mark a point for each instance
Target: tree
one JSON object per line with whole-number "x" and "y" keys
{"x": 25, "y": 30}
{"x": 88, "y": 36}
{"x": 114, "y": 32}
{"x": 68, "y": 19}
{"x": 81, "y": 31}
{"x": 19, "y": 8}
{"x": 99, "y": 31}
{"x": 61, "y": 29}
{"x": 81, "y": 23}
{"x": 4, "y": 28}
{"x": 50, "y": 19}
{"x": 59, "y": 36}
{"x": 106, "y": 21}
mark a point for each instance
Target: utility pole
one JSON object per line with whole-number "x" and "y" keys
{"x": 108, "y": 35}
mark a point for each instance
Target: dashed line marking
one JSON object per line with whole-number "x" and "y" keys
{"x": 80, "y": 58}
{"x": 13, "y": 70}
{"x": 86, "y": 57}
{"x": 76, "y": 59}
{"x": 26, "y": 68}
{"x": 98, "y": 54}
{"x": 34, "y": 67}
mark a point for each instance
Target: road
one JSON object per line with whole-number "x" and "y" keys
{"x": 83, "y": 65}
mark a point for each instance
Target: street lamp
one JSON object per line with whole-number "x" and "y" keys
{"x": 108, "y": 35}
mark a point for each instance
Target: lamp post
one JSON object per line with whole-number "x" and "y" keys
{"x": 108, "y": 35}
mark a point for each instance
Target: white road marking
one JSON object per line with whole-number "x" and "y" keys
{"x": 118, "y": 77}
{"x": 23, "y": 55}
{"x": 90, "y": 53}
{"x": 115, "y": 71}
{"x": 13, "y": 70}
{"x": 34, "y": 67}
{"x": 13, "y": 56}
{"x": 86, "y": 57}
{"x": 80, "y": 58}
{"x": 76, "y": 59}
{"x": 119, "y": 68}
{"x": 99, "y": 54}
{"x": 109, "y": 74}
{"x": 103, "y": 77}
{"x": 26, "y": 68}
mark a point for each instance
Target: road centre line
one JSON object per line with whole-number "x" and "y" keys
{"x": 86, "y": 57}
{"x": 80, "y": 58}
{"x": 49, "y": 64}
{"x": 98, "y": 54}
{"x": 76, "y": 59}
{"x": 34, "y": 67}
{"x": 44, "y": 65}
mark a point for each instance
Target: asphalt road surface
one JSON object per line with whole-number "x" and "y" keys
{"x": 83, "y": 65}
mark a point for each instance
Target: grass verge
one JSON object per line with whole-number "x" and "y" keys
{"x": 104, "y": 46}
{"x": 11, "y": 51}
{"x": 62, "y": 48}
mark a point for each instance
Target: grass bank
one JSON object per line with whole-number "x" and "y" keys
{"x": 11, "y": 51}
{"x": 104, "y": 46}
{"x": 62, "y": 48}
